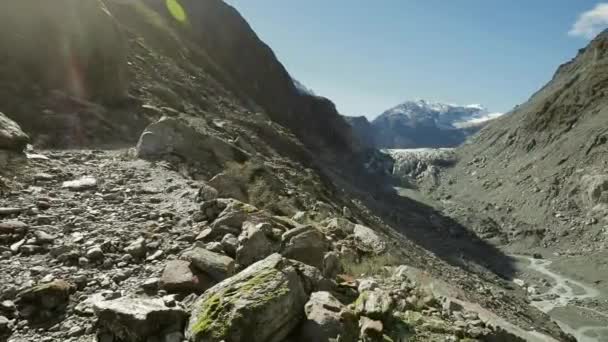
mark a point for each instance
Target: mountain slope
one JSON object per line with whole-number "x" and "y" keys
{"x": 543, "y": 166}
{"x": 210, "y": 175}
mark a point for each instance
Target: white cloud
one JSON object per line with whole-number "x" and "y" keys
{"x": 592, "y": 22}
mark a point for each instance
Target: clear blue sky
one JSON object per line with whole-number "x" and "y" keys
{"x": 368, "y": 56}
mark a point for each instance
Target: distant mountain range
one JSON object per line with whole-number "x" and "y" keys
{"x": 422, "y": 123}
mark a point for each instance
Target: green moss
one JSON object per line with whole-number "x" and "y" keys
{"x": 215, "y": 314}
{"x": 360, "y": 302}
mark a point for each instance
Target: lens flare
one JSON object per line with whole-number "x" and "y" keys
{"x": 176, "y": 10}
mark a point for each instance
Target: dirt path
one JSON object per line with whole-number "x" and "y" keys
{"x": 565, "y": 292}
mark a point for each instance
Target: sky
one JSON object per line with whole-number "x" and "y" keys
{"x": 368, "y": 56}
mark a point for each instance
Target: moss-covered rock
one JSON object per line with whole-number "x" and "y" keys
{"x": 262, "y": 303}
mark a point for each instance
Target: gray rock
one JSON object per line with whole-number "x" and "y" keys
{"x": 94, "y": 254}
{"x": 371, "y": 330}
{"x": 263, "y": 303}
{"x": 369, "y": 240}
{"x": 374, "y": 304}
{"x": 13, "y": 227}
{"x": 206, "y": 193}
{"x": 5, "y": 327}
{"x": 137, "y": 248}
{"x": 255, "y": 243}
{"x": 217, "y": 266}
{"x": 323, "y": 319}
{"x": 176, "y": 137}
{"x": 84, "y": 183}
{"x": 137, "y": 319}
{"x": 178, "y": 277}
{"x": 305, "y": 244}
{"x": 12, "y": 137}
{"x": 331, "y": 265}
{"x": 230, "y": 243}
{"x": 43, "y": 302}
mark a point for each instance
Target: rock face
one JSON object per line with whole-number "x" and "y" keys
{"x": 323, "y": 319}
{"x": 555, "y": 146}
{"x": 262, "y": 303}
{"x": 172, "y": 137}
{"x": 138, "y": 319}
{"x": 12, "y": 137}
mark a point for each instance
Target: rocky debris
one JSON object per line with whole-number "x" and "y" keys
{"x": 179, "y": 277}
{"x": 84, "y": 183}
{"x": 12, "y": 138}
{"x": 369, "y": 239}
{"x": 206, "y": 193}
{"x": 306, "y": 244}
{"x": 325, "y": 319}
{"x": 217, "y": 266}
{"x": 44, "y": 302}
{"x": 256, "y": 242}
{"x": 262, "y": 303}
{"x": 371, "y": 330}
{"x": 138, "y": 320}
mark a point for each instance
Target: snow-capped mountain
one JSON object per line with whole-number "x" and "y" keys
{"x": 422, "y": 123}
{"x": 445, "y": 116}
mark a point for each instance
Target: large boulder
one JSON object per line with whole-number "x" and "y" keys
{"x": 174, "y": 137}
{"x": 217, "y": 266}
{"x": 179, "y": 277}
{"x": 256, "y": 242}
{"x": 369, "y": 240}
{"x": 44, "y": 302}
{"x": 12, "y": 138}
{"x": 326, "y": 320}
{"x": 263, "y": 303}
{"x": 138, "y": 319}
{"x": 306, "y": 244}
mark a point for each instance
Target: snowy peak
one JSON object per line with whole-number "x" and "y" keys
{"x": 443, "y": 115}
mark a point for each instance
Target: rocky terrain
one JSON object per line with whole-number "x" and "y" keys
{"x": 422, "y": 124}
{"x": 157, "y": 186}
{"x": 533, "y": 182}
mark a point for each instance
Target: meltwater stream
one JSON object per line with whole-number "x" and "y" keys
{"x": 565, "y": 291}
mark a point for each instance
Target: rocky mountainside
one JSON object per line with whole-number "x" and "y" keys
{"x": 422, "y": 124}
{"x": 176, "y": 191}
{"x": 553, "y": 150}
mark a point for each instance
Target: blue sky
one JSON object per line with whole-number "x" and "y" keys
{"x": 368, "y": 56}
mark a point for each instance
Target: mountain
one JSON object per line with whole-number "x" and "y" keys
{"x": 162, "y": 178}
{"x": 420, "y": 123}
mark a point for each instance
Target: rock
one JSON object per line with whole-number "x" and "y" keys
{"x": 331, "y": 265}
{"x": 84, "y": 183}
{"x": 323, "y": 318}
{"x": 537, "y": 256}
{"x": 44, "y": 302}
{"x": 178, "y": 277}
{"x": 369, "y": 240}
{"x": 94, "y": 254}
{"x": 339, "y": 227}
{"x": 176, "y": 137}
{"x": 262, "y": 303}
{"x": 5, "y": 327}
{"x": 7, "y": 211}
{"x": 138, "y": 319}
{"x": 230, "y": 243}
{"x": 137, "y": 248}
{"x": 206, "y": 193}
{"x": 374, "y": 304}
{"x": 519, "y": 282}
{"x": 255, "y": 243}
{"x": 371, "y": 330}
{"x": 234, "y": 215}
{"x": 13, "y": 228}
{"x": 12, "y": 137}
{"x": 305, "y": 244}
{"x": 449, "y": 306}
{"x": 217, "y": 266}
{"x": 216, "y": 232}
{"x": 367, "y": 285}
